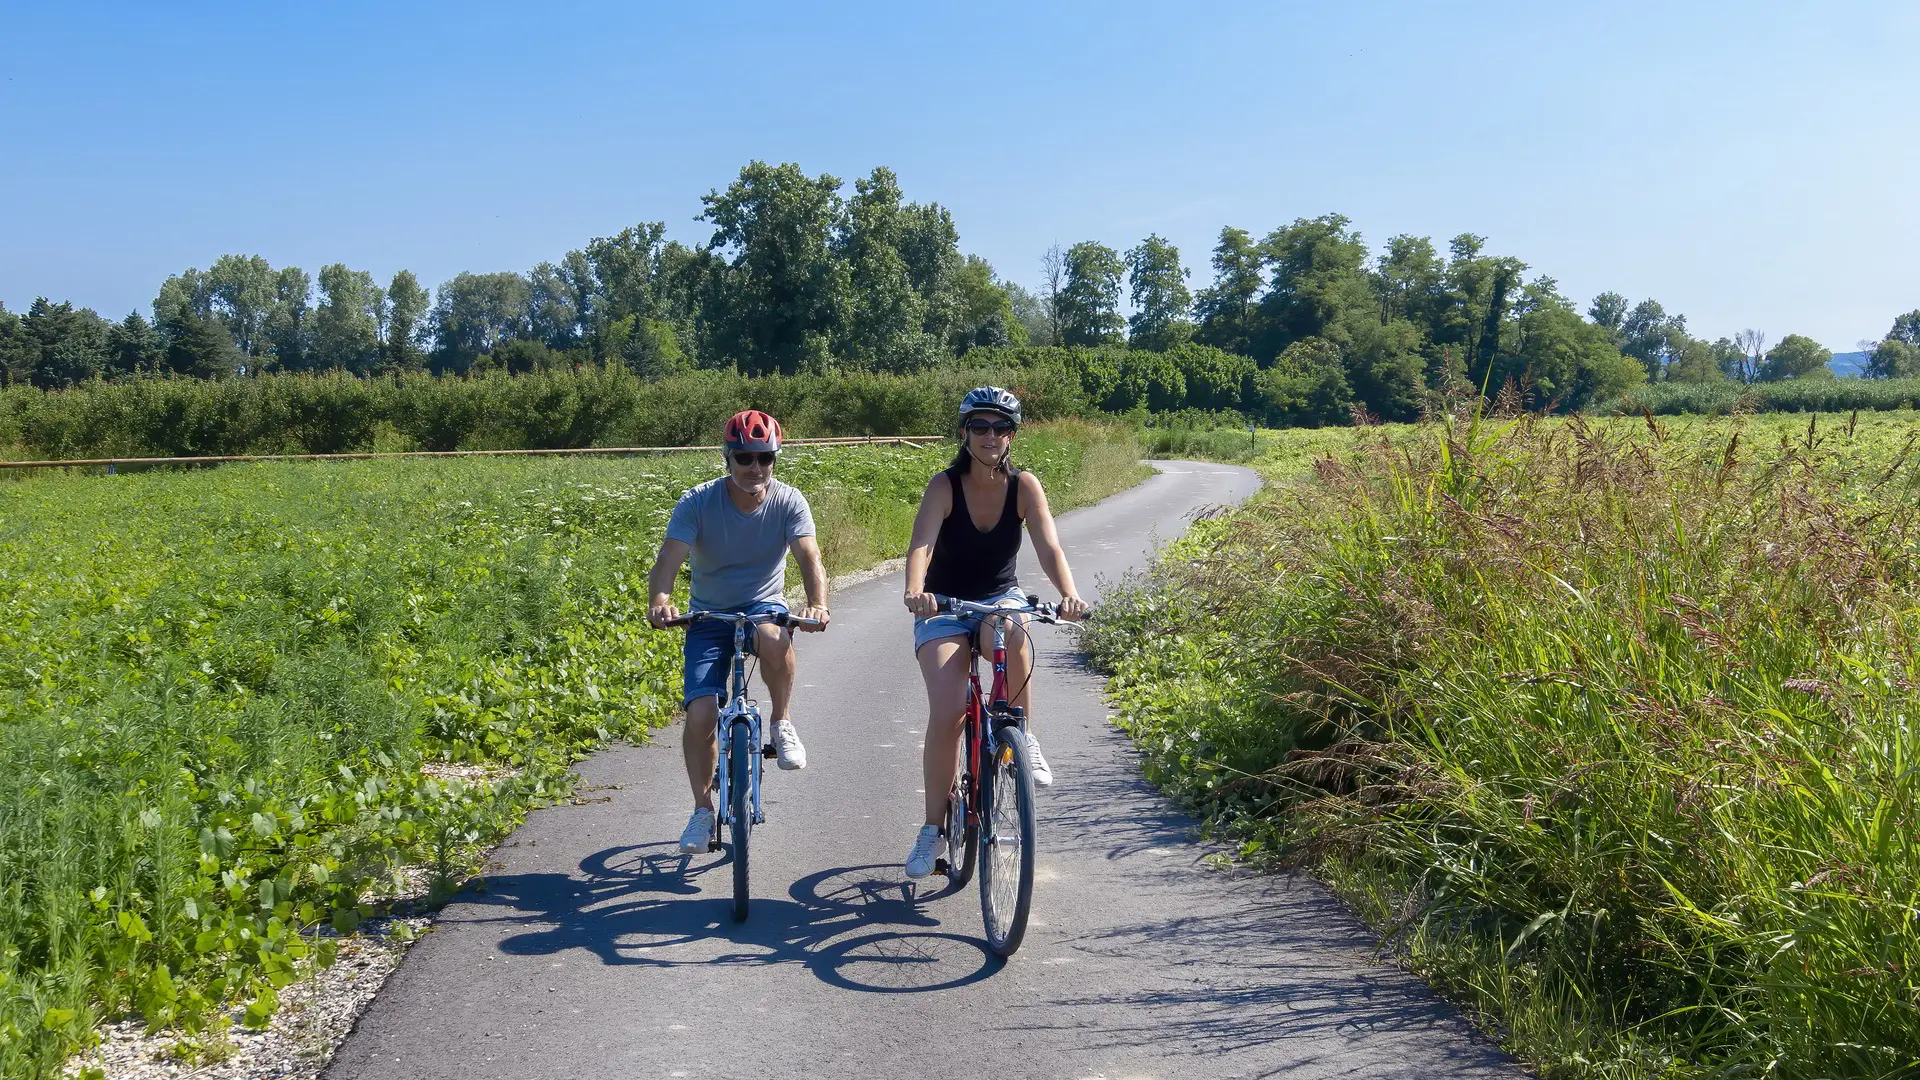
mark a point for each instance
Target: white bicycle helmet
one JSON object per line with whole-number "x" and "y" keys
{"x": 990, "y": 399}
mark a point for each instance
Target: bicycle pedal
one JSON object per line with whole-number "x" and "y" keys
{"x": 769, "y": 751}
{"x": 940, "y": 866}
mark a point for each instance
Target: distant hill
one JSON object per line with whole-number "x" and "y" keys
{"x": 1849, "y": 363}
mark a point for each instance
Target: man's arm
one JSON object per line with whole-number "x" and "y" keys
{"x": 813, "y": 572}
{"x": 666, "y": 567}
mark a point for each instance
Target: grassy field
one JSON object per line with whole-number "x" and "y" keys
{"x": 221, "y": 688}
{"x": 1606, "y": 725}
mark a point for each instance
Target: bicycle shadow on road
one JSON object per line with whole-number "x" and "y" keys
{"x": 647, "y": 904}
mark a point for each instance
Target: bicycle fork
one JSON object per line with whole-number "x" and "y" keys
{"x": 723, "y": 771}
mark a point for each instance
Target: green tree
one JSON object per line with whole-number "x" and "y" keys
{"x": 1906, "y": 328}
{"x": 1651, "y": 336}
{"x": 930, "y": 246}
{"x": 987, "y": 315}
{"x": 1796, "y": 357}
{"x": 624, "y": 268}
{"x": 1411, "y": 281}
{"x": 1030, "y": 315}
{"x": 1225, "y": 309}
{"x": 1215, "y": 378}
{"x": 1898, "y": 354}
{"x": 557, "y": 313}
{"x": 886, "y": 313}
{"x": 346, "y": 325}
{"x": 241, "y": 295}
{"x": 783, "y": 292}
{"x": 474, "y": 315}
{"x": 1728, "y": 358}
{"x": 200, "y": 347}
{"x": 1089, "y": 297}
{"x": 58, "y": 345}
{"x": 1608, "y": 311}
{"x": 1695, "y": 361}
{"x": 133, "y": 345}
{"x": 1752, "y": 345}
{"x": 16, "y": 354}
{"x": 290, "y": 323}
{"x": 1315, "y": 280}
{"x": 1160, "y": 296}
{"x": 1305, "y": 386}
{"x": 407, "y": 308}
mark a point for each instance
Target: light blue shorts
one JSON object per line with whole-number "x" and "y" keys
{"x": 935, "y": 627}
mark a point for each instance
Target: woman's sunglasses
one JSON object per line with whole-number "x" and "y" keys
{"x": 744, "y": 458}
{"x": 998, "y": 427}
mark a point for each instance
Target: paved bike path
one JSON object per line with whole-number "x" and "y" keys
{"x": 596, "y": 950}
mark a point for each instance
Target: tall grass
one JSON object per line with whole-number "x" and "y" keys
{"x": 1810, "y": 394}
{"x": 219, "y": 687}
{"x": 1609, "y": 730}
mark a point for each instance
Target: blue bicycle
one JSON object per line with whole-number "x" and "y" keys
{"x": 741, "y": 746}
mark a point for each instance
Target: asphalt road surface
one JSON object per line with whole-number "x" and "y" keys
{"x": 594, "y": 949}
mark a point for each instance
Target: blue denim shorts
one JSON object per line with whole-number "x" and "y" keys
{"x": 709, "y": 655}
{"x": 935, "y": 627}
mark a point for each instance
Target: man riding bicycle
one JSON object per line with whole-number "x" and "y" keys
{"x": 738, "y": 529}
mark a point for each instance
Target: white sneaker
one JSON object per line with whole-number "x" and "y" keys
{"x": 786, "y": 742}
{"x": 927, "y": 847}
{"x": 698, "y": 833}
{"x": 1037, "y": 763}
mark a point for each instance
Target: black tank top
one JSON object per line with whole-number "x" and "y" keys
{"x": 971, "y": 564}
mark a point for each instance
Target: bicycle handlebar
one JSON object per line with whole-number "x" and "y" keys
{"x": 1047, "y": 613}
{"x": 778, "y": 618}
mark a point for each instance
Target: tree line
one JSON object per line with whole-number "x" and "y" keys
{"x": 800, "y": 277}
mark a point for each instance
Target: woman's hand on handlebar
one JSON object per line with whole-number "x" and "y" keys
{"x": 922, "y": 604}
{"x": 1072, "y": 608}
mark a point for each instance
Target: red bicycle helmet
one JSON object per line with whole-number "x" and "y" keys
{"x": 752, "y": 429}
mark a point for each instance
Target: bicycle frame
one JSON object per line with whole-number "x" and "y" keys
{"x": 739, "y": 709}
{"x": 982, "y": 739}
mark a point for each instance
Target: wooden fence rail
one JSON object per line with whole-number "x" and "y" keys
{"x": 112, "y": 463}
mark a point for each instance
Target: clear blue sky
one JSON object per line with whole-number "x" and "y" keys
{"x": 1745, "y": 163}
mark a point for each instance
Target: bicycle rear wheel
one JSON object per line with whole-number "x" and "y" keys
{"x": 962, "y": 833}
{"x": 741, "y": 754}
{"x": 1006, "y": 842}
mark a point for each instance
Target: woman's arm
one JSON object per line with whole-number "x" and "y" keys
{"x": 1046, "y": 545}
{"x": 935, "y": 504}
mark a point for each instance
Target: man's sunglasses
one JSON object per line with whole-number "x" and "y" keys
{"x": 744, "y": 458}
{"x": 998, "y": 427}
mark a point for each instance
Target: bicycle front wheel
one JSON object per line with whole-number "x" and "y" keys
{"x": 741, "y": 754}
{"x": 1006, "y": 842}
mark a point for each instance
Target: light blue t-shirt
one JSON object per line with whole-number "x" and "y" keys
{"x": 738, "y": 558}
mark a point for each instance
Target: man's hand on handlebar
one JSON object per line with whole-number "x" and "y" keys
{"x": 814, "y": 614}
{"x": 662, "y": 612}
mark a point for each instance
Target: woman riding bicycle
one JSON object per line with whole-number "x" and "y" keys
{"x": 966, "y": 541}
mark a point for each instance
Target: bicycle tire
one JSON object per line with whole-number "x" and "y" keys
{"x": 1006, "y": 875}
{"x": 963, "y": 834}
{"x": 741, "y": 755}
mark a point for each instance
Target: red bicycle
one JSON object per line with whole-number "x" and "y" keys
{"x": 990, "y": 813}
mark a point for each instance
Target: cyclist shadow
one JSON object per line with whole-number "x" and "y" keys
{"x": 853, "y": 927}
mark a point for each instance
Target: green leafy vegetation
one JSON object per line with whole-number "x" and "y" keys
{"x": 801, "y": 277}
{"x": 233, "y": 697}
{"x": 1606, "y": 726}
